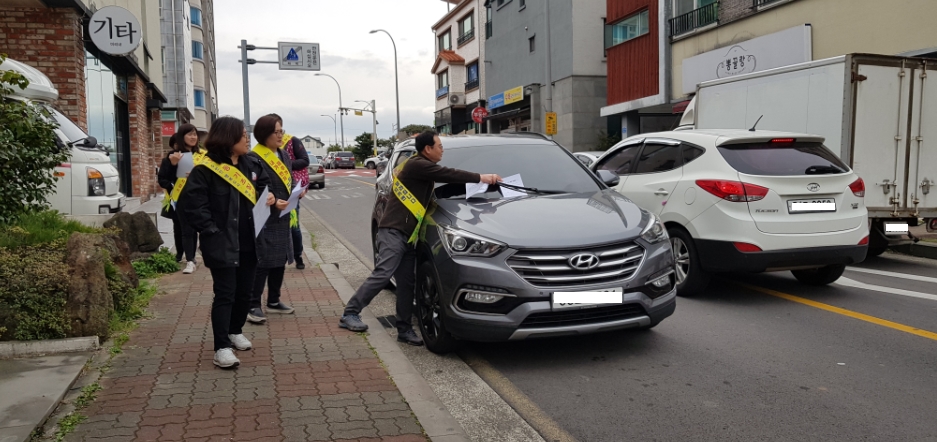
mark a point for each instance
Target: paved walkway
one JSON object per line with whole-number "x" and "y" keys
{"x": 305, "y": 379}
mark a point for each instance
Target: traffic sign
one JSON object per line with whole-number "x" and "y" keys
{"x": 299, "y": 56}
{"x": 551, "y": 123}
{"x": 479, "y": 114}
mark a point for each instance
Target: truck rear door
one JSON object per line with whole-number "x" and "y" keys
{"x": 922, "y": 141}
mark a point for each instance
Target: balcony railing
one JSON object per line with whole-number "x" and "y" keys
{"x": 758, "y": 3}
{"x": 442, "y": 92}
{"x": 488, "y": 29}
{"x": 470, "y": 34}
{"x": 696, "y": 19}
{"x": 471, "y": 84}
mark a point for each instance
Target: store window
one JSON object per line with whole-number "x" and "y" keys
{"x": 197, "y": 50}
{"x": 627, "y": 29}
{"x": 199, "y": 98}
{"x": 196, "y": 16}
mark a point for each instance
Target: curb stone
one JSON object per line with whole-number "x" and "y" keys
{"x": 21, "y": 349}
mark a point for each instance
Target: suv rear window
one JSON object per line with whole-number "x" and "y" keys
{"x": 783, "y": 159}
{"x": 345, "y": 154}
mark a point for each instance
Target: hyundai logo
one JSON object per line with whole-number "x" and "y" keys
{"x": 584, "y": 261}
{"x": 813, "y": 187}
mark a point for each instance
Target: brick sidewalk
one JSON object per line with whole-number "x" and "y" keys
{"x": 305, "y": 379}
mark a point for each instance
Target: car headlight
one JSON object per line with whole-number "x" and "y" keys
{"x": 655, "y": 231}
{"x": 462, "y": 243}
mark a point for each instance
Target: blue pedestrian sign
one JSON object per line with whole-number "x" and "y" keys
{"x": 299, "y": 56}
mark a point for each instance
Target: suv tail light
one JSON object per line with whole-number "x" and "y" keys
{"x": 746, "y": 247}
{"x": 858, "y": 188}
{"x": 320, "y": 169}
{"x": 734, "y": 191}
{"x": 864, "y": 241}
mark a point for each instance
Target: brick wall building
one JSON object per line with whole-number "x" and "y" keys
{"x": 52, "y": 39}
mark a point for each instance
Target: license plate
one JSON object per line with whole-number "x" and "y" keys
{"x": 896, "y": 228}
{"x": 590, "y": 299}
{"x": 811, "y": 206}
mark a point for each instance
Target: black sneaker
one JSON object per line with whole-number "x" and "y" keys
{"x": 410, "y": 337}
{"x": 353, "y": 323}
{"x": 256, "y": 316}
{"x": 299, "y": 263}
{"x": 279, "y": 308}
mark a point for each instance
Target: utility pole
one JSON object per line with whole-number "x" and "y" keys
{"x": 396, "y": 77}
{"x": 374, "y": 123}
{"x": 341, "y": 114}
{"x": 247, "y": 100}
{"x": 548, "y": 95}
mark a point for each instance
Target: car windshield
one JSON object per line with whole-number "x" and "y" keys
{"x": 783, "y": 159}
{"x": 71, "y": 131}
{"x": 548, "y": 168}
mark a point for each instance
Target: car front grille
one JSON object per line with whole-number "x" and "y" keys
{"x": 584, "y": 316}
{"x": 554, "y": 269}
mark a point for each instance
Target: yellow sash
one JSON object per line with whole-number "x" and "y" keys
{"x": 271, "y": 158}
{"x": 234, "y": 177}
{"x": 197, "y": 158}
{"x": 409, "y": 201}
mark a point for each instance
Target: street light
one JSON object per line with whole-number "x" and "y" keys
{"x": 334, "y": 125}
{"x": 373, "y": 105}
{"x": 341, "y": 120}
{"x": 396, "y": 79}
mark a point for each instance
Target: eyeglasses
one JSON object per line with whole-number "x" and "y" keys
{"x": 279, "y": 132}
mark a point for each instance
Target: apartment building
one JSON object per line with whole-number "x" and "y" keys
{"x": 520, "y": 42}
{"x": 116, "y": 98}
{"x": 459, "y": 68}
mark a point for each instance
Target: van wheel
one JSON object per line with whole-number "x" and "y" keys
{"x": 691, "y": 279}
{"x": 822, "y": 276}
{"x": 430, "y": 312}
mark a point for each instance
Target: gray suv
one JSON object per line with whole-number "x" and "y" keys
{"x": 488, "y": 266}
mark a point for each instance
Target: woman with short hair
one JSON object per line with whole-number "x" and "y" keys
{"x": 218, "y": 202}
{"x": 275, "y": 236}
{"x": 185, "y": 140}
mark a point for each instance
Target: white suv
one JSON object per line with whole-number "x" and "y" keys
{"x": 743, "y": 201}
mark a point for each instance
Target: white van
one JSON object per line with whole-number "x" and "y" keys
{"x": 88, "y": 184}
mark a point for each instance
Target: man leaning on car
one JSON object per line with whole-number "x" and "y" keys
{"x": 414, "y": 182}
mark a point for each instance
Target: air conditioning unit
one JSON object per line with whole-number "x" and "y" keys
{"x": 456, "y": 99}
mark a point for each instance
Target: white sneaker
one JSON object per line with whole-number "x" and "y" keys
{"x": 240, "y": 342}
{"x": 189, "y": 268}
{"x": 225, "y": 358}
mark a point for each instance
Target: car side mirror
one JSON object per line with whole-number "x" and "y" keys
{"x": 608, "y": 177}
{"x": 90, "y": 141}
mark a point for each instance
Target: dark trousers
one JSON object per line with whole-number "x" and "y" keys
{"x": 297, "y": 238}
{"x": 273, "y": 278}
{"x": 185, "y": 237}
{"x": 232, "y": 287}
{"x": 394, "y": 258}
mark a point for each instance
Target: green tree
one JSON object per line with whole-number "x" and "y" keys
{"x": 28, "y": 152}
{"x": 364, "y": 146}
{"x": 606, "y": 141}
{"x": 416, "y": 128}
{"x": 334, "y": 148}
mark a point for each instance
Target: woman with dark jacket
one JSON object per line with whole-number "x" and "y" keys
{"x": 185, "y": 140}
{"x": 218, "y": 202}
{"x": 300, "y": 158}
{"x": 276, "y": 236}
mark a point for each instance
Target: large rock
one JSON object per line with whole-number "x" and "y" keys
{"x": 90, "y": 303}
{"x": 137, "y": 230}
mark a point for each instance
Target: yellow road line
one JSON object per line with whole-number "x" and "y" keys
{"x": 844, "y": 312}
{"x": 363, "y": 182}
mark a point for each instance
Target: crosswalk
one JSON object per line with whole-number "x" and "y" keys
{"x": 311, "y": 196}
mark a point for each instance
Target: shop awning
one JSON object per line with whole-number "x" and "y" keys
{"x": 508, "y": 114}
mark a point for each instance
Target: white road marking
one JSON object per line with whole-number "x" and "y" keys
{"x": 846, "y": 282}
{"x": 893, "y": 274}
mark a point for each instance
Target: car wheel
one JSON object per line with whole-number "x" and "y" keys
{"x": 691, "y": 279}
{"x": 322, "y": 185}
{"x": 430, "y": 312}
{"x": 370, "y": 166}
{"x": 822, "y": 276}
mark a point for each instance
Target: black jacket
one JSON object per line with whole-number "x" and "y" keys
{"x": 300, "y": 156}
{"x": 420, "y": 176}
{"x": 210, "y": 205}
{"x": 276, "y": 238}
{"x": 167, "y": 180}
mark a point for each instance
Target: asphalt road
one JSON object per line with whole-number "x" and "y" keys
{"x": 757, "y": 357}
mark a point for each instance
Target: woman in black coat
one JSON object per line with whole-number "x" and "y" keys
{"x": 276, "y": 235}
{"x": 185, "y": 140}
{"x": 218, "y": 202}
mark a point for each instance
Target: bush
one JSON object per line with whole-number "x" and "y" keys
{"x": 28, "y": 151}
{"x": 157, "y": 264}
{"x": 40, "y": 228}
{"x": 34, "y": 292}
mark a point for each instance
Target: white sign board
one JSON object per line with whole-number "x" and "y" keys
{"x": 115, "y": 30}
{"x": 299, "y": 56}
{"x": 787, "y": 47}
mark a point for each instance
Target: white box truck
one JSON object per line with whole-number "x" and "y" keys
{"x": 88, "y": 183}
{"x": 877, "y": 112}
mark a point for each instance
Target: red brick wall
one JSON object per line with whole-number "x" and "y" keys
{"x": 50, "y": 39}
{"x": 633, "y": 66}
{"x": 143, "y": 152}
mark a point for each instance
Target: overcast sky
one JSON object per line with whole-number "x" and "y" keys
{"x": 363, "y": 63}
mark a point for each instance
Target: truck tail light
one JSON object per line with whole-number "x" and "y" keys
{"x": 95, "y": 182}
{"x": 858, "y": 188}
{"x": 734, "y": 191}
